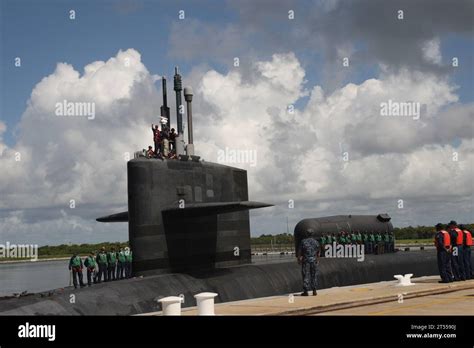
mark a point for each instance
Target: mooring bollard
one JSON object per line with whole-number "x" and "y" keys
{"x": 171, "y": 305}
{"x": 404, "y": 280}
{"x": 205, "y": 303}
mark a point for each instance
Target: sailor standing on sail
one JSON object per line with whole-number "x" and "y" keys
{"x": 156, "y": 138}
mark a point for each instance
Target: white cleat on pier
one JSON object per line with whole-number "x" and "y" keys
{"x": 404, "y": 280}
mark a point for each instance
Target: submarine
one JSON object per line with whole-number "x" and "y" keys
{"x": 348, "y": 223}
{"x": 185, "y": 213}
{"x": 189, "y": 232}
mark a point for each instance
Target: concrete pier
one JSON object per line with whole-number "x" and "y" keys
{"x": 426, "y": 297}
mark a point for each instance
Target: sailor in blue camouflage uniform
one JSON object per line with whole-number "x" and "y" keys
{"x": 308, "y": 253}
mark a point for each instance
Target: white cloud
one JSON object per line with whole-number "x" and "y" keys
{"x": 64, "y": 158}
{"x": 306, "y": 147}
{"x": 431, "y": 51}
{"x": 73, "y": 158}
{"x": 62, "y": 229}
{"x": 299, "y": 155}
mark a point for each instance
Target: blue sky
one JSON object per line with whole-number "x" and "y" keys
{"x": 41, "y": 34}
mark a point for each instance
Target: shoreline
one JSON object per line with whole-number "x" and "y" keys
{"x": 34, "y": 261}
{"x": 63, "y": 258}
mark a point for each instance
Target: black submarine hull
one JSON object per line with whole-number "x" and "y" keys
{"x": 348, "y": 223}
{"x": 280, "y": 277}
{"x": 185, "y": 215}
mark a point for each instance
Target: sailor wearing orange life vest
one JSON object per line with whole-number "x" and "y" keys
{"x": 467, "y": 252}
{"x": 457, "y": 259}
{"x": 443, "y": 247}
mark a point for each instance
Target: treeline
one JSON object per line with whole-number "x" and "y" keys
{"x": 284, "y": 238}
{"x": 418, "y": 232}
{"x": 81, "y": 249}
{"x": 410, "y": 232}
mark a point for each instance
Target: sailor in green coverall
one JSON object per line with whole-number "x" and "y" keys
{"x": 386, "y": 242}
{"x": 365, "y": 239}
{"x": 120, "y": 264}
{"x": 358, "y": 237}
{"x": 330, "y": 239}
{"x": 75, "y": 266}
{"x": 102, "y": 262}
{"x": 322, "y": 243}
{"x": 392, "y": 242}
{"x": 372, "y": 243}
{"x": 353, "y": 238}
{"x": 111, "y": 264}
{"x": 342, "y": 238}
{"x": 378, "y": 240}
{"x": 91, "y": 267}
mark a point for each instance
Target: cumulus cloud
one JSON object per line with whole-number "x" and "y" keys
{"x": 64, "y": 228}
{"x": 431, "y": 51}
{"x": 372, "y": 26}
{"x": 323, "y": 32}
{"x": 301, "y": 155}
{"x": 190, "y": 38}
{"x": 73, "y": 157}
{"x": 349, "y": 117}
{"x": 59, "y": 159}
{"x": 333, "y": 154}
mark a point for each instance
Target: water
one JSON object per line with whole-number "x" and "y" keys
{"x": 33, "y": 276}
{"x": 48, "y": 275}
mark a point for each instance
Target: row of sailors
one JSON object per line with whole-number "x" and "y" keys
{"x": 453, "y": 244}
{"x": 374, "y": 242}
{"x": 106, "y": 266}
{"x": 165, "y": 143}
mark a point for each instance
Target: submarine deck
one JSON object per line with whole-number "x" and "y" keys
{"x": 280, "y": 276}
{"x": 425, "y": 297}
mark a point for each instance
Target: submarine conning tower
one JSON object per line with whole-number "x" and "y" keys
{"x": 185, "y": 214}
{"x": 347, "y": 223}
